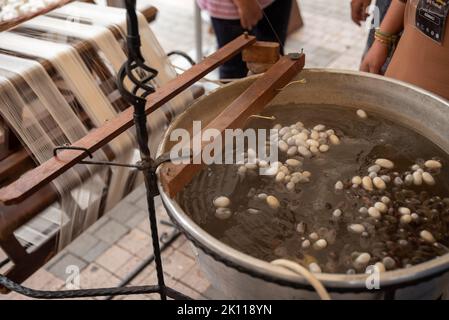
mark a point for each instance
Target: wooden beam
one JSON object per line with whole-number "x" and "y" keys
{"x": 6, "y": 25}
{"x": 14, "y": 165}
{"x": 14, "y": 216}
{"x": 252, "y": 101}
{"x": 35, "y": 179}
{"x": 262, "y": 52}
{"x": 150, "y": 13}
{"x": 31, "y": 262}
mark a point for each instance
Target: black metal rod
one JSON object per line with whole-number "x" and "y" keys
{"x": 135, "y": 64}
{"x": 70, "y": 147}
{"x": 133, "y": 37}
{"x": 4, "y": 262}
{"x": 66, "y": 294}
{"x": 112, "y": 164}
{"x": 182, "y": 54}
{"x": 85, "y": 293}
{"x": 140, "y": 120}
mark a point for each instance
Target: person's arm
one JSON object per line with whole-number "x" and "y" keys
{"x": 392, "y": 24}
{"x": 358, "y": 10}
{"x": 250, "y": 13}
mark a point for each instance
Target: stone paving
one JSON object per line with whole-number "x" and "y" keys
{"x": 120, "y": 241}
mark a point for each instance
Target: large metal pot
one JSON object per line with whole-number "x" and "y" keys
{"x": 238, "y": 275}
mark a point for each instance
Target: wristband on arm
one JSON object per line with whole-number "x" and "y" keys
{"x": 388, "y": 39}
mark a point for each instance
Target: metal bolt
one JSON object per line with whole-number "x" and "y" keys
{"x": 294, "y": 55}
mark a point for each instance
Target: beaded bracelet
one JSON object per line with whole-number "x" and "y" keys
{"x": 386, "y": 38}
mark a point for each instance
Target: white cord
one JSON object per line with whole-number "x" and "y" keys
{"x": 301, "y": 81}
{"x": 299, "y": 269}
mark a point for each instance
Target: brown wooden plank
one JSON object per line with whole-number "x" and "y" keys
{"x": 31, "y": 262}
{"x": 6, "y": 25}
{"x": 262, "y": 52}
{"x": 14, "y": 165}
{"x": 35, "y": 179}
{"x": 150, "y": 13}
{"x": 252, "y": 101}
{"x": 14, "y": 216}
{"x": 13, "y": 248}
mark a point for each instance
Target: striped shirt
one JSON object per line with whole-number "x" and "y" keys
{"x": 226, "y": 9}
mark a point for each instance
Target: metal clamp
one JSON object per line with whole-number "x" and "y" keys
{"x": 70, "y": 147}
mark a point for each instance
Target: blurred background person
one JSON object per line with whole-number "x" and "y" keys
{"x": 266, "y": 19}
{"x": 359, "y": 13}
{"x": 422, "y": 54}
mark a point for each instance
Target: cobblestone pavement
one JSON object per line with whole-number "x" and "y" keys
{"x": 119, "y": 241}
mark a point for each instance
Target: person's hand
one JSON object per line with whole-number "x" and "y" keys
{"x": 250, "y": 13}
{"x": 375, "y": 58}
{"x": 358, "y": 10}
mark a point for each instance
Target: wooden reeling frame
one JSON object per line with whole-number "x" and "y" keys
{"x": 252, "y": 101}
{"x": 35, "y": 179}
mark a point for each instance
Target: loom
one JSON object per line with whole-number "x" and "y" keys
{"x": 69, "y": 58}
{"x": 39, "y": 58}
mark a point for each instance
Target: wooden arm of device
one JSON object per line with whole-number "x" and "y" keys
{"x": 252, "y": 101}
{"x": 262, "y": 52}
{"x": 35, "y": 179}
{"x": 11, "y": 24}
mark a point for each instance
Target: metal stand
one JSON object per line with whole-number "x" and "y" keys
{"x": 136, "y": 65}
{"x": 198, "y": 32}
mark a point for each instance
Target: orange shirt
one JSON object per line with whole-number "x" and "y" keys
{"x": 418, "y": 59}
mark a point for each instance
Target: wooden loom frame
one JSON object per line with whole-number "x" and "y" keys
{"x": 252, "y": 101}
{"x": 6, "y": 25}
{"x": 15, "y": 159}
